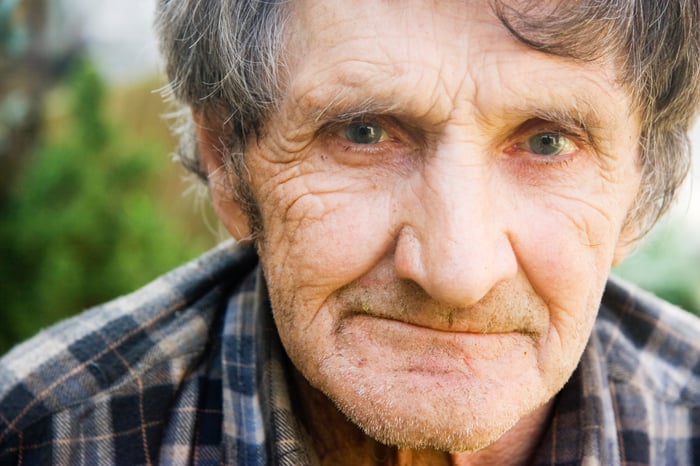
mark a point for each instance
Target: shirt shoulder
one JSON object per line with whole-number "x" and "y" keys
{"x": 140, "y": 345}
{"x": 637, "y": 395}
{"x": 650, "y": 343}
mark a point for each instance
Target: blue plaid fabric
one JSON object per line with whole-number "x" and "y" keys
{"x": 189, "y": 370}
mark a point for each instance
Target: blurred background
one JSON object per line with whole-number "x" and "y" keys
{"x": 91, "y": 204}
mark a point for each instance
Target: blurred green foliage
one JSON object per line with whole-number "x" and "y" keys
{"x": 667, "y": 264}
{"x": 79, "y": 226}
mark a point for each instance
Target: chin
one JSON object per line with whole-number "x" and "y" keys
{"x": 423, "y": 414}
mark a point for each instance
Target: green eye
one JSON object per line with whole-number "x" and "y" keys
{"x": 549, "y": 144}
{"x": 364, "y": 133}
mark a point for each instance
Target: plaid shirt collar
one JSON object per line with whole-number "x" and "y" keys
{"x": 190, "y": 370}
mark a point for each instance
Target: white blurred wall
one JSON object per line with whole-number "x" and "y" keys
{"x": 688, "y": 207}
{"x": 118, "y": 33}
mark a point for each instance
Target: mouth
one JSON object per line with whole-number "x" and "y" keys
{"x": 505, "y": 311}
{"x": 446, "y": 324}
{"x": 397, "y": 347}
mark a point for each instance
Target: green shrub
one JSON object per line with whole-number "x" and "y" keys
{"x": 667, "y": 264}
{"x": 79, "y": 225}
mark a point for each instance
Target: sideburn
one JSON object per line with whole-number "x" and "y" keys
{"x": 235, "y": 162}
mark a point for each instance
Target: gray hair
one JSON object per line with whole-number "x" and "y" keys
{"x": 224, "y": 57}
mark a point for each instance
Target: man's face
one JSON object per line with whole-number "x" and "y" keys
{"x": 441, "y": 206}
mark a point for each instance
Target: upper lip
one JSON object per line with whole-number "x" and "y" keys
{"x": 507, "y": 309}
{"x": 448, "y": 325}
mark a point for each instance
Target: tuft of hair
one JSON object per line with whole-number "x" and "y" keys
{"x": 222, "y": 57}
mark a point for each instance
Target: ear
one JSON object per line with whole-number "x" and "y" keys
{"x": 220, "y": 180}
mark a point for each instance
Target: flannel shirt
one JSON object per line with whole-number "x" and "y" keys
{"x": 190, "y": 370}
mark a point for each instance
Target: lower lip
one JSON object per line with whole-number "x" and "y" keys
{"x": 393, "y": 325}
{"x": 418, "y": 349}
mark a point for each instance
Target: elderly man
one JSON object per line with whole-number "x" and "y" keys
{"x": 429, "y": 198}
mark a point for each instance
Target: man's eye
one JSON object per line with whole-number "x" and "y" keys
{"x": 364, "y": 133}
{"x": 550, "y": 144}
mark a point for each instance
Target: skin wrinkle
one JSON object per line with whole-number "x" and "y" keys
{"x": 569, "y": 101}
{"x": 299, "y": 237}
{"x": 290, "y": 140}
{"x": 350, "y": 81}
{"x": 293, "y": 175}
{"x": 583, "y": 225}
{"x": 279, "y": 147}
{"x": 317, "y": 197}
{"x": 587, "y": 235}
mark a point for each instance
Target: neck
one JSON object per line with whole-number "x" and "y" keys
{"x": 337, "y": 441}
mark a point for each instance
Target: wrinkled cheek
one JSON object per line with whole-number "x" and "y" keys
{"x": 566, "y": 258}
{"x": 326, "y": 240}
{"x": 570, "y": 252}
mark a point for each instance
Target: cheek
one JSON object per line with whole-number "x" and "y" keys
{"x": 567, "y": 234}
{"x": 572, "y": 246}
{"x": 327, "y": 228}
{"x": 565, "y": 256}
{"x": 313, "y": 245}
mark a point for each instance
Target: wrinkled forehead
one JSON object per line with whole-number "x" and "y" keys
{"x": 582, "y": 29}
{"x": 427, "y": 56}
{"x": 397, "y": 27}
{"x": 392, "y": 33}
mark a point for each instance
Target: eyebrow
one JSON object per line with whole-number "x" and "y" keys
{"x": 344, "y": 106}
{"x": 353, "y": 92}
{"x": 575, "y": 114}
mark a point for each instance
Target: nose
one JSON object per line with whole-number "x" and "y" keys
{"x": 454, "y": 241}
